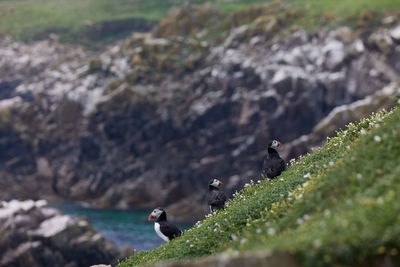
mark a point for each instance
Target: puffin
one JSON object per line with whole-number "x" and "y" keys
{"x": 216, "y": 197}
{"x": 273, "y": 164}
{"x": 164, "y": 229}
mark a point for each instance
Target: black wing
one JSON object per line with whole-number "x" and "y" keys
{"x": 217, "y": 199}
{"x": 170, "y": 230}
{"x": 273, "y": 167}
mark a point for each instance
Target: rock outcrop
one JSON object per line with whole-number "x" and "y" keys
{"x": 148, "y": 122}
{"x": 32, "y": 234}
{"x": 340, "y": 116}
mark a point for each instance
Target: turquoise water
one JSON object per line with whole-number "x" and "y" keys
{"x": 123, "y": 227}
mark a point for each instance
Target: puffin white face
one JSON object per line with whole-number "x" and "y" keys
{"x": 155, "y": 214}
{"x": 276, "y": 144}
{"x": 216, "y": 183}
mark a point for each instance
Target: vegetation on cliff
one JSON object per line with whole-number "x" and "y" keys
{"x": 91, "y": 21}
{"x": 337, "y": 205}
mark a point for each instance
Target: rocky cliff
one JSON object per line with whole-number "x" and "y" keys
{"x": 32, "y": 234}
{"x": 149, "y": 121}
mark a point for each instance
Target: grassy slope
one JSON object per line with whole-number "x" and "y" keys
{"x": 30, "y": 19}
{"x": 338, "y": 205}
{"x": 25, "y": 19}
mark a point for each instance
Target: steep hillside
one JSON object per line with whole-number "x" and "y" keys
{"x": 336, "y": 206}
{"x": 149, "y": 121}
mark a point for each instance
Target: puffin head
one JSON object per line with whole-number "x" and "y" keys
{"x": 274, "y": 144}
{"x": 157, "y": 214}
{"x": 215, "y": 183}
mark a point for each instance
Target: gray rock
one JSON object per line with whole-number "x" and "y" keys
{"x": 35, "y": 235}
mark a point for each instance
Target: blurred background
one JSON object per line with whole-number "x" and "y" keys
{"x": 109, "y": 109}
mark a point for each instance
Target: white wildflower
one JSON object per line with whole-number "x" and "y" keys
{"x": 331, "y": 163}
{"x": 299, "y": 196}
{"x": 317, "y": 243}
{"x": 327, "y": 213}
{"x": 363, "y": 131}
{"x": 306, "y": 217}
{"x": 246, "y": 185}
{"x": 281, "y": 179}
{"x": 191, "y": 245}
{"x": 258, "y": 230}
{"x": 359, "y": 176}
{"x": 307, "y": 175}
{"x": 259, "y": 181}
{"x": 305, "y": 184}
{"x": 243, "y": 240}
{"x": 299, "y": 221}
{"x": 271, "y": 231}
{"x": 282, "y": 195}
{"x": 234, "y": 237}
{"x": 377, "y": 138}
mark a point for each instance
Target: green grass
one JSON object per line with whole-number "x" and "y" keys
{"x": 30, "y": 19}
{"x": 34, "y": 19}
{"x": 337, "y": 206}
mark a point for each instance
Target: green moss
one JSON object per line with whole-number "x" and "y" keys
{"x": 338, "y": 205}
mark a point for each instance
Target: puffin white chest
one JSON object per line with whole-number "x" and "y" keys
{"x": 159, "y": 233}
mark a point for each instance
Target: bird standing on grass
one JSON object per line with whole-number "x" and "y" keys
{"x": 273, "y": 164}
{"x": 164, "y": 229}
{"x": 216, "y": 197}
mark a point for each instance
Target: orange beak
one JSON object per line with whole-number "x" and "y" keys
{"x": 221, "y": 183}
{"x": 150, "y": 217}
{"x": 279, "y": 144}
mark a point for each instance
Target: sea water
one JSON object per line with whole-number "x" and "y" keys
{"x": 123, "y": 227}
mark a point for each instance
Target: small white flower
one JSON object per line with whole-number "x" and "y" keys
{"x": 299, "y": 196}
{"x": 282, "y": 195}
{"x": 243, "y": 240}
{"x": 307, "y": 175}
{"x": 359, "y": 176}
{"x": 305, "y": 184}
{"x": 317, "y": 243}
{"x": 215, "y": 229}
{"x": 246, "y": 185}
{"x": 299, "y": 221}
{"x": 259, "y": 181}
{"x": 331, "y": 163}
{"x": 258, "y": 230}
{"x": 191, "y": 245}
{"x": 234, "y": 237}
{"x": 363, "y": 131}
{"x": 327, "y": 213}
{"x": 281, "y": 179}
{"x": 271, "y": 231}
{"x": 377, "y": 138}
{"x": 306, "y": 217}
{"x": 187, "y": 241}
